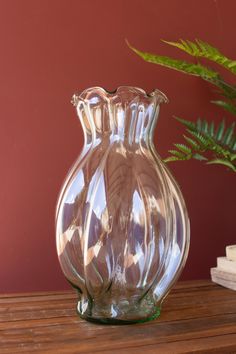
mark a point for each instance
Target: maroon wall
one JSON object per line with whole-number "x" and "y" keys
{"x": 49, "y": 50}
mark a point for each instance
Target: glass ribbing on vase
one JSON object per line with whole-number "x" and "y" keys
{"x": 122, "y": 225}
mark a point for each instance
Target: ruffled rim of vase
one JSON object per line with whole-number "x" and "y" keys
{"x": 106, "y": 95}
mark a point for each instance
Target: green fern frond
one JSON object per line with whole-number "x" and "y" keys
{"x": 172, "y": 159}
{"x": 220, "y": 131}
{"x": 218, "y": 142}
{"x": 225, "y": 89}
{"x": 226, "y": 105}
{"x": 185, "y": 149}
{"x": 203, "y": 141}
{"x": 189, "y": 124}
{"x": 222, "y": 162}
{"x": 206, "y": 138}
{"x": 178, "y": 154}
{"x": 233, "y": 157}
{"x": 205, "y": 73}
{"x": 200, "y": 49}
{"x": 179, "y": 65}
{"x": 204, "y": 126}
{"x": 232, "y": 144}
{"x": 192, "y": 143}
{"x": 228, "y": 134}
{"x": 199, "y": 157}
{"x": 203, "y": 130}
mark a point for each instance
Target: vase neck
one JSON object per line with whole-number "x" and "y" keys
{"x": 128, "y": 114}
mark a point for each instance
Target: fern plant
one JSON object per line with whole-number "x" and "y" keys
{"x": 204, "y": 141}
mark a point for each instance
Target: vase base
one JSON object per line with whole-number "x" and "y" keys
{"x": 117, "y": 321}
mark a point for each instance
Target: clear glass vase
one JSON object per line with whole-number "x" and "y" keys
{"x": 122, "y": 228}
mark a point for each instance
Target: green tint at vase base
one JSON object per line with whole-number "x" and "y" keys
{"x": 111, "y": 321}
{"x": 118, "y": 314}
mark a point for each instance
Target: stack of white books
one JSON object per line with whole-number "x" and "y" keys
{"x": 225, "y": 272}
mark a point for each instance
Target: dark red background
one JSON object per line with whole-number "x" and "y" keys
{"x": 49, "y": 50}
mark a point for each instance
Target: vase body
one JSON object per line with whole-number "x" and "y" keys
{"x": 122, "y": 229}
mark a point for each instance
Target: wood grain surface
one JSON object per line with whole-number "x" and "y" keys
{"x": 197, "y": 317}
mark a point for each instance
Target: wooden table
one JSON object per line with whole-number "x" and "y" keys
{"x": 197, "y": 317}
